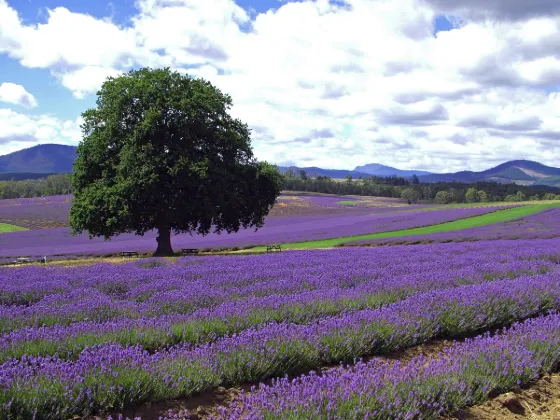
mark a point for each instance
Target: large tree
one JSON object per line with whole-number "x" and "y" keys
{"x": 160, "y": 151}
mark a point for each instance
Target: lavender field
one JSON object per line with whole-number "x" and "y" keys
{"x": 36, "y": 213}
{"x": 53, "y": 211}
{"x": 543, "y": 225}
{"x": 104, "y": 339}
{"x": 303, "y": 218}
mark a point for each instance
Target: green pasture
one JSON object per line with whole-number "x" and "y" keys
{"x": 470, "y": 222}
{"x": 485, "y": 204}
{"x": 4, "y": 227}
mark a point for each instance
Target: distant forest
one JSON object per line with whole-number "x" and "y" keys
{"x": 51, "y": 185}
{"x": 413, "y": 190}
{"x": 396, "y": 187}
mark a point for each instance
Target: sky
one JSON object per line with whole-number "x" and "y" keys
{"x": 437, "y": 85}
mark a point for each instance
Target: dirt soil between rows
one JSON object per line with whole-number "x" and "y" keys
{"x": 540, "y": 400}
{"x": 203, "y": 405}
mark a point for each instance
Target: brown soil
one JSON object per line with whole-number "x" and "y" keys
{"x": 539, "y": 401}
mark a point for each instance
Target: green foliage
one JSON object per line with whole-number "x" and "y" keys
{"x": 516, "y": 197}
{"x": 58, "y": 184}
{"x": 161, "y": 151}
{"x": 443, "y": 197}
{"x": 411, "y": 195}
{"x": 482, "y": 196}
{"x": 393, "y": 186}
{"x": 471, "y": 195}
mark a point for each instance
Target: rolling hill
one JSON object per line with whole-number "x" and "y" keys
{"x": 313, "y": 171}
{"x": 521, "y": 172}
{"x": 43, "y": 159}
{"x": 57, "y": 158}
{"x": 378, "y": 169}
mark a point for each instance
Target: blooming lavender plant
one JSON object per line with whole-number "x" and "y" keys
{"x": 112, "y": 376}
{"x": 462, "y": 375}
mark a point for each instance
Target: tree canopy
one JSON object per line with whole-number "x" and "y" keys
{"x": 160, "y": 151}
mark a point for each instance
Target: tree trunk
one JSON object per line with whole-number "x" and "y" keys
{"x": 164, "y": 242}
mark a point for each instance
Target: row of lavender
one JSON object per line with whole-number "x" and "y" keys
{"x": 53, "y": 242}
{"x": 110, "y": 377}
{"x": 501, "y": 281}
{"x": 155, "y": 304}
{"x": 463, "y": 375}
{"x": 543, "y": 225}
{"x": 36, "y": 213}
{"x": 53, "y": 211}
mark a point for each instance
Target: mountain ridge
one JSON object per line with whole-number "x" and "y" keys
{"x": 58, "y": 158}
{"x": 379, "y": 169}
{"x": 43, "y": 158}
{"x": 521, "y": 172}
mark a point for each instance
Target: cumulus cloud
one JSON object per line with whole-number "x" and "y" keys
{"x": 499, "y": 9}
{"x": 86, "y": 80}
{"x": 335, "y": 84}
{"x": 19, "y": 130}
{"x": 12, "y": 93}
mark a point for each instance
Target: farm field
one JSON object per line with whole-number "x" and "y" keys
{"x": 541, "y": 225}
{"x": 52, "y": 211}
{"x": 486, "y": 216}
{"x": 295, "y": 219}
{"x": 103, "y": 339}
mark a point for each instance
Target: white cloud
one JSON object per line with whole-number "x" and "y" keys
{"x": 18, "y": 130}
{"x": 370, "y": 74}
{"x": 12, "y": 93}
{"x": 86, "y": 80}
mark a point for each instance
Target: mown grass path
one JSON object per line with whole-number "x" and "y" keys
{"x": 4, "y": 227}
{"x": 470, "y": 222}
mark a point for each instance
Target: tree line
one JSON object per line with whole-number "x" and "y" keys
{"x": 58, "y": 184}
{"x": 393, "y": 186}
{"x": 413, "y": 190}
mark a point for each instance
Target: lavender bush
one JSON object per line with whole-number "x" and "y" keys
{"x": 463, "y": 375}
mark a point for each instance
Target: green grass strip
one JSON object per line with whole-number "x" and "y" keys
{"x": 4, "y": 227}
{"x": 351, "y": 202}
{"x": 470, "y": 222}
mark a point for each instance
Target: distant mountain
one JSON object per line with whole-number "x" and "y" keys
{"x": 313, "y": 171}
{"x": 44, "y": 159}
{"x": 57, "y": 158}
{"x": 381, "y": 170}
{"x": 521, "y": 172}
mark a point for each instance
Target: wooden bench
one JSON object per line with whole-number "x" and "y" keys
{"x": 129, "y": 254}
{"x": 270, "y": 248}
{"x": 189, "y": 251}
{"x": 22, "y": 260}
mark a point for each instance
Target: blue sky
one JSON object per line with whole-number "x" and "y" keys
{"x": 391, "y": 81}
{"x": 53, "y": 98}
